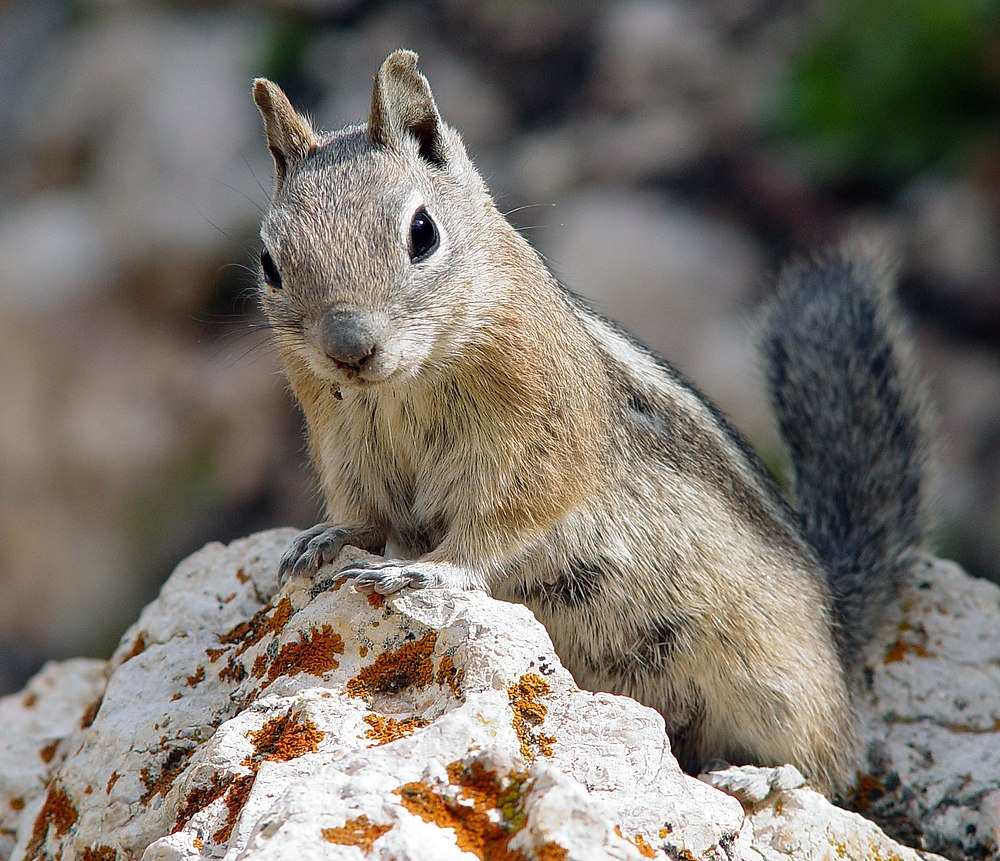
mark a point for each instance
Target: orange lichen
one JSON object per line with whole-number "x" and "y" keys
{"x": 639, "y": 842}
{"x": 360, "y": 832}
{"x": 551, "y": 852}
{"x": 233, "y": 790}
{"x": 198, "y": 799}
{"x": 484, "y": 788}
{"x": 377, "y": 601}
{"x": 111, "y": 782}
{"x": 529, "y": 712}
{"x": 867, "y": 790}
{"x": 384, "y": 729}
{"x": 170, "y": 770}
{"x": 90, "y": 713}
{"x": 58, "y": 812}
{"x": 448, "y": 674}
{"x": 283, "y": 738}
{"x": 98, "y": 853}
{"x": 898, "y": 650}
{"x": 279, "y": 739}
{"x": 483, "y": 811}
{"x": 235, "y": 799}
{"x": 252, "y": 631}
{"x": 49, "y": 751}
{"x": 138, "y": 647}
{"x": 196, "y": 678}
{"x": 241, "y": 575}
{"x": 233, "y": 671}
{"x": 972, "y": 728}
{"x": 408, "y": 666}
{"x": 16, "y": 803}
{"x": 644, "y": 848}
{"x": 314, "y": 653}
{"x": 268, "y": 620}
{"x": 29, "y": 700}
{"x": 259, "y": 666}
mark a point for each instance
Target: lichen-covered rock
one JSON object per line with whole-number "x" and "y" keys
{"x": 239, "y": 722}
{"x": 786, "y": 819}
{"x": 932, "y": 716}
{"x": 55, "y": 703}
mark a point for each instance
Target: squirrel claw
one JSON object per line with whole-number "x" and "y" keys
{"x": 388, "y": 577}
{"x": 311, "y": 549}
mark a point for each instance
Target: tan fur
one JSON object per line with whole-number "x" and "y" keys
{"x": 506, "y": 437}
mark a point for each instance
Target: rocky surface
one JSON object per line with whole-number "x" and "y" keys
{"x": 932, "y": 715}
{"x": 632, "y": 140}
{"x": 237, "y": 721}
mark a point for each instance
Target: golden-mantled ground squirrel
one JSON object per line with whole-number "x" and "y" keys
{"x": 467, "y": 411}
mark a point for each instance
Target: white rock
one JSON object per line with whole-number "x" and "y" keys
{"x": 801, "y": 824}
{"x": 241, "y": 724}
{"x": 32, "y": 725}
{"x": 932, "y": 715}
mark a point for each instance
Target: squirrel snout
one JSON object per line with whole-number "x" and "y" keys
{"x": 349, "y": 339}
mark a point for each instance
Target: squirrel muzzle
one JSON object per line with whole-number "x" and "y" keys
{"x": 349, "y": 339}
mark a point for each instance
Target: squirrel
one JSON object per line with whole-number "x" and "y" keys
{"x": 482, "y": 422}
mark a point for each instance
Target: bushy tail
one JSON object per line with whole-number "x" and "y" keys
{"x": 849, "y": 407}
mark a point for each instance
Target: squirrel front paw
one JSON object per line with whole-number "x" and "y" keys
{"x": 313, "y": 548}
{"x": 388, "y": 576}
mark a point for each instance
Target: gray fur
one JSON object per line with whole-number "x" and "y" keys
{"x": 501, "y": 435}
{"x": 850, "y": 410}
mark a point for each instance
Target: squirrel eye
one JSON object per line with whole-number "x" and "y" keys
{"x": 271, "y": 274}
{"x": 423, "y": 236}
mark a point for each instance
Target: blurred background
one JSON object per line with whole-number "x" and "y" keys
{"x": 665, "y": 156}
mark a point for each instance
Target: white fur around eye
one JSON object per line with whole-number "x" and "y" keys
{"x": 414, "y": 200}
{"x": 413, "y": 203}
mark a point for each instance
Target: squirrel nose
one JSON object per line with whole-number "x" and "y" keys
{"x": 348, "y": 338}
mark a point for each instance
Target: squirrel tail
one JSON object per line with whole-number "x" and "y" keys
{"x": 850, "y": 408}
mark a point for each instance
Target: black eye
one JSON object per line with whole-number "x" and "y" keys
{"x": 423, "y": 236}
{"x": 271, "y": 274}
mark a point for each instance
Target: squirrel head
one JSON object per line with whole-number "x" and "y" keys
{"x": 373, "y": 244}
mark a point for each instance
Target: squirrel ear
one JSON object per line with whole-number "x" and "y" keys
{"x": 402, "y": 104}
{"x": 290, "y": 137}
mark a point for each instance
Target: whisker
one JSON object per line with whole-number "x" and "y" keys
{"x": 251, "y": 271}
{"x": 232, "y": 238}
{"x": 539, "y": 226}
{"x": 240, "y": 191}
{"x": 510, "y": 212}
{"x": 260, "y": 185}
{"x": 263, "y": 347}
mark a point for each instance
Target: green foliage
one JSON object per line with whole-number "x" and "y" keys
{"x": 287, "y": 41}
{"x": 887, "y": 87}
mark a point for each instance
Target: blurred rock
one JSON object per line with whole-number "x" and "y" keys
{"x": 154, "y": 108}
{"x": 951, "y": 230}
{"x": 653, "y": 53}
{"x": 54, "y": 252}
{"x": 465, "y": 97}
